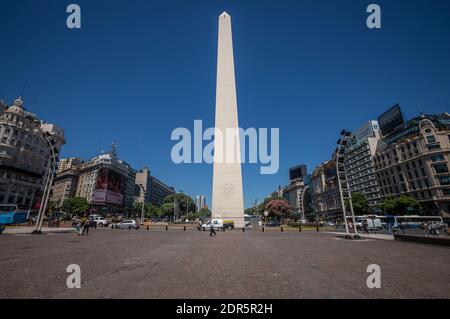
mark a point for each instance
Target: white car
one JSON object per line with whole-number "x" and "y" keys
{"x": 100, "y": 221}
{"x": 217, "y": 223}
{"x": 127, "y": 224}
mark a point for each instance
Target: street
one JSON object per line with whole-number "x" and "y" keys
{"x": 190, "y": 264}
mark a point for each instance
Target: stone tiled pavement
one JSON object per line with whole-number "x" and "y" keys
{"x": 178, "y": 264}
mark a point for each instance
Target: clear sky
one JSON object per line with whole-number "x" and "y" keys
{"x": 138, "y": 69}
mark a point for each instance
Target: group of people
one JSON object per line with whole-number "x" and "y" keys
{"x": 82, "y": 227}
{"x": 431, "y": 228}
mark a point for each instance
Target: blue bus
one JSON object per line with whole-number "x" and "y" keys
{"x": 9, "y": 215}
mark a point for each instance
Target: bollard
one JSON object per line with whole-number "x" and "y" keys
{"x": 184, "y": 228}
{"x": 317, "y": 228}
{"x": 281, "y": 228}
{"x": 148, "y": 227}
{"x": 243, "y": 229}
{"x": 129, "y": 227}
{"x": 300, "y": 228}
{"x": 167, "y": 227}
{"x": 263, "y": 229}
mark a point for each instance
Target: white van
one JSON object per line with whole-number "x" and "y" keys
{"x": 215, "y": 222}
{"x": 372, "y": 223}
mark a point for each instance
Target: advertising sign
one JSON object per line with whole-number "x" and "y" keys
{"x": 101, "y": 186}
{"x": 108, "y": 188}
{"x": 390, "y": 119}
{"x": 115, "y": 188}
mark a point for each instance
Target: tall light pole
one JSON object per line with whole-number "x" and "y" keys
{"x": 48, "y": 184}
{"x": 343, "y": 141}
{"x": 143, "y": 202}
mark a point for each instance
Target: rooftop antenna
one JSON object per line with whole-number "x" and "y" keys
{"x": 114, "y": 149}
{"x": 23, "y": 88}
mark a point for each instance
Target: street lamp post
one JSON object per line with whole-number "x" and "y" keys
{"x": 143, "y": 202}
{"x": 47, "y": 187}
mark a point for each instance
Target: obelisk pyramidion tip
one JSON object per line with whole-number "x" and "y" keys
{"x": 225, "y": 14}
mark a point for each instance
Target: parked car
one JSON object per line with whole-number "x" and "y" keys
{"x": 127, "y": 224}
{"x": 273, "y": 223}
{"x": 100, "y": 221}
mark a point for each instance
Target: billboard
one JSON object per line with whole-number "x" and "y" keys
{"x": 390, "y": 119}
{"x": 108, "y": 188}
{"x": 297, "y": 172}
{"x": 115, "y": 188}
{"x": 101, "y": 186}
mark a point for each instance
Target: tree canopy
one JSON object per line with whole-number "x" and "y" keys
{"x": 75, "y": 205}
{"x": 278, "y": 208}
{"x": 360, "y": 204}
{"x": 184, "y": 203}
{"x": 401, "y": 205}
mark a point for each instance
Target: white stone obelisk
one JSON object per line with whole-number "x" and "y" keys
{"x": 227, "y": 197}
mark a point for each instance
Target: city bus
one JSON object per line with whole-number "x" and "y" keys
{"x": 10, "y": 215}
{"x": 414, "y": 221}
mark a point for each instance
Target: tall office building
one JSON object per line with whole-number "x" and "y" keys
{"x": 227, "y": 195}
{"x": 159, "y": 191}
{"x": 359, "y": 165}
{"x": 325, "y": 193}
{"x": 200, "y": 202}
{"x": 143, "y": 182}
{"x": 155, "y": 190}
{"x": 66, "y": 180}
{"x": 25, "y": 155}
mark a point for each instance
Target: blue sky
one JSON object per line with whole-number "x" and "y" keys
{"x": 138, "y": 69}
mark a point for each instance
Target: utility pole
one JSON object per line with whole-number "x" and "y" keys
{"x": 143, "y": 202}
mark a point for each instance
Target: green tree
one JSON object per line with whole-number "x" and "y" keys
{"x": 167, "y": 210}
{"x": 250, "y": 211}
{"x": 204, "y": 213}
{"x": 401, "y": 205}
{"x": 75, "y": 205}
{"x": 51, "y": 207}
{"x": 184, "y": 202}
{"x": 360, "y": 204}
{"x": 151, "y": 211}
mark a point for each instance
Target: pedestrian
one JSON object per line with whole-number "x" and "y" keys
{"x": 365, "y": 226}
{"x": 77, "y": 228}
{"x": 87, "y": 224}
{"x": 211, "y": 230}
{"x": 402, "y": 228}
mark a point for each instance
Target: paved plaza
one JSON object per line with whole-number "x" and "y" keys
{"x": 190, "y": 264}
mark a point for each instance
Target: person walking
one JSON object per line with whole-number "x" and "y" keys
{"x": 77, "y": 228}
{"x": 211, "y": 230}
{"x": 86, "y": 227}
{"x": 365, "y": 226}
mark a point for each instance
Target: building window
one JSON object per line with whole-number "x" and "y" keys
{"x": 434, "y": 146}
{"x": 446, "y": 191}
{"x": 440, "y": 168}
{"x": 438, "y": 158}
{"x": 444, "y": 180}
{"x": 431, "y": 139}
